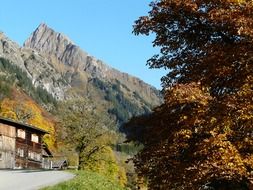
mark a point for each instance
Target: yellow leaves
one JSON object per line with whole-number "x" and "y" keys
{"x": 104, "y": 162}
{"x": 245, "y": 116}
{"x": 187, "y": 93}
{"x": 29, "y": 112}
{"x": 227, "y": 129}
{"x": 213, "y": 120}
{"x": 9, "y": 114}
{"x": 220, "y": 107}
{"x": 122, "y": 176}
{"x": 222, "y": 158}
{"x": 184, "y": 134}
{"x": 183, "y": 118}
{"x": 248, "y": 160}
{"x": 231, "y": 164}
{"x": 6, "y": 109}
{"x": 213, "y": 132}
{"x": 236, "y": 1}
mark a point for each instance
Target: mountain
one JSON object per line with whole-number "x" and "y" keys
{"x": 53, "y": 44}
{"x": 54, "y": 63}
{"x": 37, "y": 67}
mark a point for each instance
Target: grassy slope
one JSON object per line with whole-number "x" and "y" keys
{"x": 86, "y": 180}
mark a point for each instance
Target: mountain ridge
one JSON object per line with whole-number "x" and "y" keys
{"x": 56, "y": 64}
{"x": 47, "y": 41}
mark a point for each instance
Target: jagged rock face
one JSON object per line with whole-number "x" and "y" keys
{"x": 55, "y": 63}
{"x": 53, "y": 44}
{"x": 35, "y": 65}
{"x": 49, "y": 42}
{"x": 11, "y": 51}
{"x": 44, "y": 74}
{"x": 44, "y": 39}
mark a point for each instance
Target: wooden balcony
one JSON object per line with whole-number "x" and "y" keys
{"x": 32, "y": 145}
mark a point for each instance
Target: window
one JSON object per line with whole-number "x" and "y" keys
{"x": 20, "y": 152}
{"x": 1, "y": 156}
{"x": 35, "y": 138}
{"x": 34, "y": 156}
{"x": 38, "y": 157}
{"x": 21, "y": 133}
{"x": 31, "y": 155}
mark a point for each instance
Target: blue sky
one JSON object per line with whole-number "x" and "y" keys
{"x": 102, "y": 28}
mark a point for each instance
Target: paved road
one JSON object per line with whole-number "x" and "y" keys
{"x": 30, "y": 179}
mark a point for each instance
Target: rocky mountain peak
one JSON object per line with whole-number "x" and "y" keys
{"x": 43, "y": 26}
{"x": 51, "y": 43}
{"x": 45, "y": 40}
{"x": 56, "y": 46}
{"x": 54, "y": 63}
{"x": 9, "y": 50}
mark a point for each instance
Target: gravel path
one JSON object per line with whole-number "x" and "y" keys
{"x": 31, "y": 179}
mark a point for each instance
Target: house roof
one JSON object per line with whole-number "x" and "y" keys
{"x": 46, "y": 152}
{"x": 19, "y": 124}
{"x": 59, "y": 163}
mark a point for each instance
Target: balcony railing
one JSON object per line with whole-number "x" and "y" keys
{"x": 29, "y": 143}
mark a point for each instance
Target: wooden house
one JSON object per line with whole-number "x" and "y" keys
{"x": 47, "y": 156}
{"x": 20, "y": 145}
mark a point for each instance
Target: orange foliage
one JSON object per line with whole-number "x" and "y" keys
{"x": 202, "y": 136}
{"x": 31, "y": 113}
{"x": 193, "y": 140}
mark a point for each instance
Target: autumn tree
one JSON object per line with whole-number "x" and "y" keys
{"x": 85, "y": 131}
{"x": 201, "y": 137}
{"x": 27, "y": 111}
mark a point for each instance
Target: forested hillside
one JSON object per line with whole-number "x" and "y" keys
{"x": 53, "y": 84}
{"x": 12, "y": 76}
{"x": 77, "y": 131}
{"x": 56, "y": 65}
